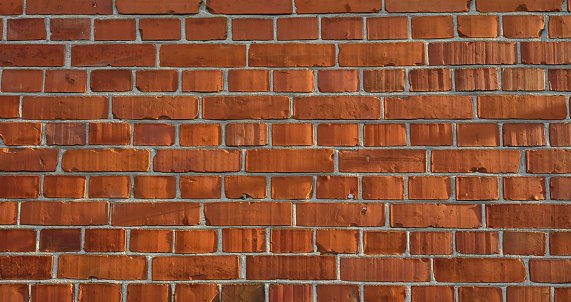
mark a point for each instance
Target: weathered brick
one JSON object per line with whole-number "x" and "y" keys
{"x": 430, "y": 243}
{"x": 381, "y": 54}
{"x": 292, "y": 187}
{"x": 30, "y": 160}
{"x": 154, "y": 135}
{"x": 383, "y": 161}
{"x": 340, "y": 6}
{"x": 155, "y": 8}
{"x": 245, "y": 107}
{"x": 524, "y": 188}
{"x": 109, "y": 186}
{"x": 338, "y": 135}
{"x": 289, "y": 160}
{"x": 113, "y": 55}
{"x": 472, "y": 53}
{"x": 65, "y": 108}
{"x": 291, "y": 292}
{"x": 71, "y": 29}
{"x": 117, "y": 267}
{"x": 244, "y": 80}
{"x": 550, "y": 53}
{"x": 337, "y": 108}
{"x": 383, "y": 187}
{"x": 160, "y": 213}
{"x": 291, "y": 55}
{"x": 384, "y": 80}
{"x": 105, "y": 240}
{"x": 26, "y": 267}
{"x": 477, "y": 188}
{"x": 472, "y": 161}
{"x": 430, "y": 80}
{"x": 549, "y": 270}
{"x": 414, "y": 215}
{"x": 200, "y": 187}
{"x": 387, "y": 28}
{"x": 157, "y": 80}
{"x": 106, "y": 160}
{"x": 548, "y": 161}
{"x": 196, "y": 291}
{"x": 111, "y": 80}
{"x": 150, "y": 241}
{"x": 477, "y": 242}
{"x": 38, "y": 212}
{"x": 340, "y": 214}
{"x": 203, "y": 55}
{"x": 522, "y": 26}
{"x": 478, "y": 26}
{"x": 523, "y": 79}
{"x": 196, "y": 160}
{"x": 65, "y": 7}
{"x": 486, "y": 6}
{"x": 202, "y": 80}
{"x": 486, "y": 270}
{"x": 243, "y": 240}
{"x": 245, "y": 7}
{"x": 165, "y": 107}
{"x": 17, "y": 240}
{"x": 245, "y": 187}
{"x": 429, "y": 187}
{"x": 19, "y": 134}
{"x": 195, "y": 268}
{"x": 347, "y": 28}
{"x": 248, "y": 213}
{"x": 196, "y": 241}
{"x": 524, "y": 243}
{"x": 60, "y": 240}
{"x": 412, "y": 6}
{"x": 476, "y": 79}
{"x": 385, "y": 269}
{"x": 22, "y": 80}
{"x": 429, "y": 107}
{"x": 247, "y": 134}
{"x": 154, "y": 187}
{"x": 290, "y": 267}
{"x": 60, "y": 186}
{"x": 544, "y": 216}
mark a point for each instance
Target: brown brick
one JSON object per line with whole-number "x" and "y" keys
{"x": 291, "y": 293}
{"x": 113, "y": 55}
{"x": 487, "y": 6}
{"x": 148, "y": 292}
{"x": 22, "y": 80}
{"x": 294, "y": 81}
{"x": 523, "y": 26}
{"x": 252, "y": 29}
{"x": 115, "y": 30}
{"x": 8, "y": 212}
{"x": 528, "y": 294}
{"x": 24, "y": 159}
{"x": 560, "y": 243}
{"x": 26, "y": 267}
{"x": 99, "y": 292}
{"x": 244, "y": 292}
{"x": 109, "y": 134}
{"x": 154, "y": 108}
{"x": 17, "y": 292}
{"x": 337, "y": 241}
{"x": 384, "y": 243}
{"x": 394, "y": 293}
{"x": 524, "y": 243}
{"x": 517, "y": 135}
{"x": 71, "y": 29}
{"x": 412, "y": 6}
{"x": 203, "y": 55}
{"x": 381, "y": 135}
{"x": 154, "y": 135}
{"x": 549, "y": 270}
{"x": 17, "y": 240}
{"x": 53, "y": 292}
{"x": 111, "y": 80}
{"x": 205, "y": 29}
{"x": 544, "y": 216}
{"x": 343, "y": 6}
{"x": 560, "y": 134}
{"x": 431, "y": 135}
{"x": 548, "y": 161}
{"x": 201, "y": 291}
{"x": 25, "y": 29}
{"x": 9, "y": 106}
{"x": 159, "y": 29}
{"x": 545, "y": 53}
{"x": 246, "y": 80}
{"x": 242, "y": 7}
{"x": 344, "y": 80}
{"x": 334, "y": 292}
{"x": 200, "y": 135}
{"x": 60, "y": 240}
{"x": 560, "y": 188}
{"x": 337, "y": 187}
{"x": 59, "y": 186}
{"x": 62, "y": 7}
{"x": 157, "y": 80}
{"x": 247, "y": 134}
{"x": 523, "y": 79}
{"x": 65, "y": 134}
{"x": 20, "y": 186}
{"x": 430, "y": 80}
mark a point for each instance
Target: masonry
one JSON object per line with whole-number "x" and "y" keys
{"x": 285, "y": 150}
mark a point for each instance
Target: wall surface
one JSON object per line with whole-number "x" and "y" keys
{"x": 285, "y": 150}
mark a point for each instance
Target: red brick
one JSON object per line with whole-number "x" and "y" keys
{"x": 109, "y": 186}
{"x": 154, "y": 187}
{"x": 292, "y": 134}
{"x": 348, "y": 28}
{"x": 384, "y": 243}
{"x": 431, "y": 243}
{"x": 39, "y": 212}
{"x": 165, "y": 107}
{"x": 343, "y": 80}
{"x": 244, "y": 292}
{"x": 200, "y": 135}
{"x": 148, "y": 292}
{"x": 524, "y": 243}
{"x": 115, "y": 30}
{"x": 549, "y": 270}
{"x": 160, "y": 213}
{"x": 59, "y": 186}
{"x": 544, "y": 216}
{"x": 523, "y": 26}
{"x": 477, "y": 79}
{"x": 17, "y": 240}
{"x": 524, "y": 188}
{"x": 26, "y": 267}
{"x": 18, "y": 292}
{"x": 157, "y": 8}
{"x": 528, "y": 294}
{"x": 9, "y": 106}
{"x": 245, "y": 187}
{"x": 337, "y": 187}
{"x": 71, "y": 29}
{"x": 472, "y": 53}
{"x": 294, "y": 81}
{"x": 243, "y": 240}
{"x": 340, "y": 214}
{"x": 245, "y": 7}
{"x": 18, "y": 134}
{"x": 559, "y": 27}
{"x": 206, "y": 29}
{"x": 293, "y": 187}
{"x": 150, "y": 241}
{"x": 154, "y": 135}
{"x": 383, "y": 187}
{"x": 8, "y": 212}
{"x": 65, "y": 134}
{"x": 22, "y": 80}
{"x": 488, "y": 270}
{"x": 106, "y": 160}
{"x": 290, "y": 267}
{"x": 196, "y": 241}
{"x": 65, "y": 108}
{"x": 245, "y": 107}
{"x": 66, "y": 7}
{"x": 376, "y": 135}
{"x": 385, "y": 269}
{"x": 548, "y": 161}
{"x": 159, "y": 29}
{"x": 111, "y": 80}
{"x": 291, "y": 293}
{"x": 291, "y": 55}
{"x": 429, "y": 187}
{"x": 25, "y": 29}
{"x": 338, "y": 135}
{"x": 562, "y": 294}
{"x": 394, "y": 293}
{"x": 203, "y": 55}
{"x": 432, "y": 27}
{"x": 202, "y": 80}
{"x": 476, "y": 294}
{"x": 549, "y": 53}
{"x": 341, "y": 6}
{"x": 109, "y": 134}
{"x": 430, "y": 80}
{"x": 60, "y": 240}
{"x": 291, "y": 241}
{"x": 252, "y": 29}
{"x": 431, "y": 135}
{"x": 246, "y": 80}
{"x": 477, "y": 242}
{"x": 10, "y": 7}
{"x": 477, "y": 188}
{"x": 516, "y": 135}
{"x": 523, "y": 79}
{"x": 200, "y": 187}
{"x": 105, "y": 240}
{"x": 116, "y": 267}
{"x": 559, "y": 79}
{"x": 381, "y": 54}
{"x": 157, "y": 80}
{"x": 560, "y": 188}
{"x": 560, "y": 243}
{"x": 297, "y": 29}
{"x": 478, "y": 135}
{"x": 337, "y": 108}
{"x": 195, "y": 268}
{"x": 289, "y": 160}
{"x": 196, "y": 291}
{"x": 113, "y": 55}
{"x": 65, "y": 81}
{"x": 478, "y": 26}
{"x": 383, "y": 161}
{"x": 471, "y": 161}
{"x": 32, "y": 55}
{"x": 384, "y": 80}
{"x": 486, "y": 6}
{"x": 429, "y": 107}
{"x": 337, "y": 241}
{"x": 196, "y": 160}
{"x": 53, "y": 292}
{"x": 248, "y": 213}
{"x": 387, "y": 28}
{"x": 412, "y": 6}
{"x": 40, "y": 160}
{"x": 436, "y": 215}
{"x": 432, "y": 293}
{"x": 338, "y": 292}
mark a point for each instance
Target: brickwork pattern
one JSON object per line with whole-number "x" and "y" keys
{"x": 285, "y": 150}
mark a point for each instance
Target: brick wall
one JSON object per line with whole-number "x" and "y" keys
{"x": 285, "y": 150}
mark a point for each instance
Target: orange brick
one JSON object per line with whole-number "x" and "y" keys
{"x": 100, "y": 292}
{"x": 154, "y": 187}
{"x": 429, "y": 107}
{"x": 196, "y": 241}
{"x": 248, "y": 213}
{"x": 334, "y": 108}
{"x": 52, "y": 292}
{"x": 197, "y": 160}
{"x": 477, "y": 242}
{"x": 430, "y": 80}
{"x": 245, "y": 186}
{"x": 109, "y": 134}
{"x": 205, "y": 29}
{"x": 244, "y": 240}
{"x": 523, "y": 79}
{"x": 22, "y": 80}
{"x": 524, "y": 135}
{"x": 200, "y": 135}
{"x": 160, "y": 213}
{"x": 383, "y": 187}
{"x": 387, "y": 28}
{"x": 17, "y": 134}
{"x": 478, "y": 26}
{"x": 384, "y": 243}
{"x": 105, "y": 240}
{"x": 477, "y": 188}
{"x": 381, "y": 54}
{"x": 297, "y": 29}
{"x": 523, "y": 26}
{"x": 202, "y": 80}
{"x": 472, "y": 53}
{"x": 294, "y": 81}
{"x": 70, "y": 29}
{"x": 340, "y": 214}
{"x": 245, "y": 107}
{"x": 59, "y": 186}
{"x": 200, "y": 187}
{"x": 433, "y": 27}
{"x": 148, "y": 292}
{"x": 252, "y": 29}
{"x": 291, "y": 241}
{"x": 291, "y": 55}
{"x": 244, "y": 80}
{"x": 154, "y": 135}
{"x": 338, "y": 135}
{"x": 150, "y": 241}
{"x": 345, "y": 80}
{"x": 476, "y": 79}
{"x": 293, "y": 187}
{"x": 157, "y": 80}
{"x": 524, "y": 243}
{"x": 431, "y": 135}
{"x": 159, "y": 29}
{"x": 337, "y": 187}
{"x": 376, "y": 135}
{"x": 429, "y": 187}
{"x": 111, "y": 80}
{"x": 109, "y": 186}
{"x": 337, "y": 241}
{"x": 247, "y": 134}
{"x": 342, "y": 28}
{"x": 478, "y": 135}
{"x": 436, "y": 215}
{"x": 292, "y": 134}
{"x": 524, "y": 188}
{"x": 115, "y": 30}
